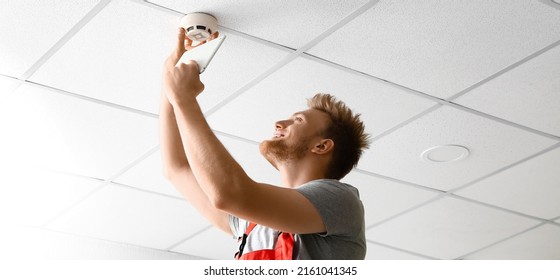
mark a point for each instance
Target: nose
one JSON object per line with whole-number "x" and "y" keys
{"x": 282, "y": 124}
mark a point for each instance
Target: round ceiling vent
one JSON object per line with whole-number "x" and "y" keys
{"x": 445, "y": 153}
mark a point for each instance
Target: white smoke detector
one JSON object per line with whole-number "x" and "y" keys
{"x": 199, "y": 26}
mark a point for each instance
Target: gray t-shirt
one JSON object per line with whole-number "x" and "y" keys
{"x": 341, "y": 209}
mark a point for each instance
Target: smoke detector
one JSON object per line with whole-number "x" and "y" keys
{"x": 199, "y": 26}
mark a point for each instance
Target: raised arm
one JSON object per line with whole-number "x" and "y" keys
{"x": 220, "y": 177}
{"x": 175, "y": 164}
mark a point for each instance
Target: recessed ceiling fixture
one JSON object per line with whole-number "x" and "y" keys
{"x": 445, "y": 153}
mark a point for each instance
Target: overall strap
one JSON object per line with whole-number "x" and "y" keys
{"x": 244, "y": 240}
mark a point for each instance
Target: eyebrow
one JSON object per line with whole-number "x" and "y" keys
{"x": 298, "y": 114}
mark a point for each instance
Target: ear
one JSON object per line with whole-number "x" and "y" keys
{"x": 323, "y": 147}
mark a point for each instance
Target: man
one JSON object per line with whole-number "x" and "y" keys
{"x": 312, "y": 216}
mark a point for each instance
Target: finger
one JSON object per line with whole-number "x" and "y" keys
{"x": 215, "y": 35}
{"x": 188, "y": 43}
{"x": 192, "y": 63}
{"x": 180, "y": 46}
{"x": 180, "y": 40}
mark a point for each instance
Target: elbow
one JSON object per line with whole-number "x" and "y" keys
{"x": 222, "y": 201}
{"x": 230, "y": 197}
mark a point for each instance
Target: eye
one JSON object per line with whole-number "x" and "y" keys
{"x": 299, "y": 119}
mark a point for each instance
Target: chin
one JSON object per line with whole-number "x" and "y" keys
{"x": 266, "y": 152}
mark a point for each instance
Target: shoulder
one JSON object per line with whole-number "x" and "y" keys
{"x": 328, "y": 187}
{"x": 338, "y": 204}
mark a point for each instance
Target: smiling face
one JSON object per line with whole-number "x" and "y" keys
{"x": 293, "y": 138}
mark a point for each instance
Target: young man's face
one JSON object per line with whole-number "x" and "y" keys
{"x": 295, "y": 136}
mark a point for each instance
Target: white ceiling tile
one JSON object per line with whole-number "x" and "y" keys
{"x": 130, "y": 216}
{"x": 29, "y": 28}
{"x": 376, "y": 252}
{"x": 148, "y": 175}
{"x": 528, "y": 95}
{"x": 253, "y": 114}
{"x": 492, "y": 145}
{"x": 241, "y": 61}
{"x": 383, "y": 198}
{"x": 291, "y": 23}
{"x": 211, "y": 244}
{"x": 531, "y": 187}
{"x": 441, "y": 48}
{"x": 45, "y": 128}
{"x": 448, "y": 228}
{"x": 114, "y": 58}
{"x": 542, "y": 243}
{"x": 249, "y": 157}
{"x": 33, "y": 196}
{"x": 7, "y": 86}
{"x": 50, "y": 245}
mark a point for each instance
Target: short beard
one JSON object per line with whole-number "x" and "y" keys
{"x": 280, "y": 151}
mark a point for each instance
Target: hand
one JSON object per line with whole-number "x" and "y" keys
{"x": 182, "y": 83}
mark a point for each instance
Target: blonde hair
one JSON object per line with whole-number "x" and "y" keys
{"x": 347, "y": 132}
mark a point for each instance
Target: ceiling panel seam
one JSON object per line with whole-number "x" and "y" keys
{"x": 132, "y": 188}
{"x": 500, "y": 241}
{"x": 499, "y": 208}
{"x": 502, "y": 121}
{"x": 401, "y": 250}
{"x": 410, "y": 184}
{"x": 170, "y": 248}
{"x": 408, "y": 210}
{"x": 93, "y": 100}
{"x": 103, "y": 240}
{"x": 103, "y": 185}
{"x": 505, "y": 70}
{"x": 65, "y": 38}
{"x": 377, "y": 79}
{"x": 504, "y": 168}
{"x": 291, "y": 57}
{"x": 75, "y": 204}
{"x": 220, "y": 27}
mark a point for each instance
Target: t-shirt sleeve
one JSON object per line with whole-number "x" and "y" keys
{"x": 338, "y": 205}
{"x": 237, "y": 226}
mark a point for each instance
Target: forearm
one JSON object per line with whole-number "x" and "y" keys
{"x": 217, "y": 172}
{"x": 172, "y": 150}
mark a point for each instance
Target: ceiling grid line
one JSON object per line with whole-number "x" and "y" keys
{"x": 92, "y": 100}
{"x": 92, "y": 14}
{"x": 103, "y": 185}
{"x": 503, "y": 209}
{"x": 505, "y": 70}
{"x": 170, "y": 248}
{"x": 293, "y": 55}
{"x": 220, "y": 27}
{"x": 65, "y": 38}
{"x": 504, "y": 168}
{"x": 392, "y": 179}
{"x": 462, "y": 257}
{"x": 438, "y": 100}
{"x": 347, "y": 69}
{"x": 401, "y": 250}
{"x": 103, "y": 240}
{"x": 503, "y": 121}
{"x": 406, "y": 211}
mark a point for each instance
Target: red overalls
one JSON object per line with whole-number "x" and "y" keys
{"x": 284, "y": 249}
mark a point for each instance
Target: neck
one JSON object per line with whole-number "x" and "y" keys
{"x": 295, "y": 174}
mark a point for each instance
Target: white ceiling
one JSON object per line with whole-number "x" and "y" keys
{"x": 79, "y": 92}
